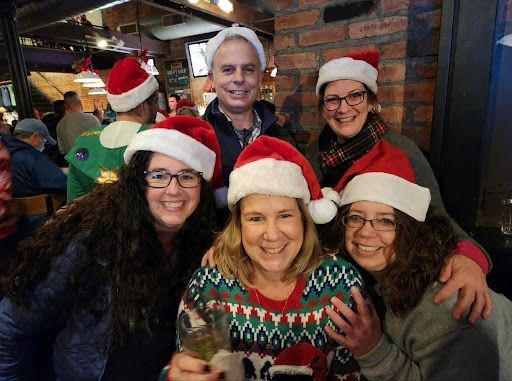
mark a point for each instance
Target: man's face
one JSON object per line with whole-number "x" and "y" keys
{"x": 236, "y": 74}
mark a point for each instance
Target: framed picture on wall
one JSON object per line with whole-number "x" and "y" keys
{"x": 176, "y": 75}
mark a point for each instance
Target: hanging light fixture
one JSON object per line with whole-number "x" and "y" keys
{"x": 150, "y": 67}
{"x": 86, "y": 74}
{"x": 99, "y": 83}
{"x": 97, "y": 91}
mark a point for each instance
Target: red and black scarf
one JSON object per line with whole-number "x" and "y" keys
{"x": 338, "y": 157}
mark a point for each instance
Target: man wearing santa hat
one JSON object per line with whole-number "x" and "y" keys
{"x": 97, "y": 154}
{"x": 236, "y": 60}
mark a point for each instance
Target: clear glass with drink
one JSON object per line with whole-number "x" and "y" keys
{"x": 506, "y": 215}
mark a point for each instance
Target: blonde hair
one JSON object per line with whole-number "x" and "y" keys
{"x": 233, "y": 262}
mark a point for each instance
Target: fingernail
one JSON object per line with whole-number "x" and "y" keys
{"x": 206, "y": 368}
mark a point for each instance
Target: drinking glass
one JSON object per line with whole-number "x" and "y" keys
{"x": 506, "y": 216}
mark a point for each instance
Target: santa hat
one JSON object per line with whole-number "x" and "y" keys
{"x": 215, "y": 42}
{"x": 187, "y": 104}
{"x": 273, "y": 167}
{"x": 362, "y": 67}
{"x": 301, "y": 359}
{"x": 129, "y": 85}
{"x": 385, "y": 175}
{"x": 188, "y": 139}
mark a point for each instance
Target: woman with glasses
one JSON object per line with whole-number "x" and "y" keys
{"x": 94, "y": 294}
{"x": 390, "y": 232}
{"x": 272, "y": 276}
{"x": 347, "y": 89}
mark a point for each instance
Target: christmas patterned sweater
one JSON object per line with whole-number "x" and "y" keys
{"x": 267, "y": 333}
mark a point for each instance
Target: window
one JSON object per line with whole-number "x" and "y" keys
{"x": 196, "y": 54}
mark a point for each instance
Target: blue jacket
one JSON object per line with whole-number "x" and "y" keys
{"x": 33, "y": 172}
{"x": 79, "y": 348}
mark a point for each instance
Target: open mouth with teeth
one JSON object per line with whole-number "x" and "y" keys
{"x": 368, "y": 249}
{"x": 238, "y": 92}
{"x": 173, "y": 205}
{"x": 346, "y": 119}
{"x": 273, "y": 250}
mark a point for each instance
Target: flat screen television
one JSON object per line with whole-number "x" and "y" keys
{"x": 196, "y": 54}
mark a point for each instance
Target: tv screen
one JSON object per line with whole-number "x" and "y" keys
{"x": 196, "y": 52}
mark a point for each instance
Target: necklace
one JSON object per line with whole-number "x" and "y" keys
{"x": 256, "y": 292}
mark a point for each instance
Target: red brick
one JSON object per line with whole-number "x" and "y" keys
{"x": 387, "y": 6}
{"x": 387, "y": 25}
{"x": 429, "y": 19}
{"x": 393, "y": 50}
{"x": 296, "y": 20}
{"x": 392, "y": 72}
{"x": 425, "y": 70}
{"x": 311, "y": 118}
{"x": 420, "y": 135}
{"x": 392, "y": 114}
{"x": 283, "y": 4}
{"x": 297, "y": 99}
{"x": 322, "y": 36}
{"x": 284, "y": 82}
{"x": 331, "y": 54}
{"x": 423, "y": 114}
{"x": 420, "y": 92}
{"x": 284, "y": 41}
{"x": 308, "y": 80}
{"x": 304, "y": 3}
{"x": 391, "y": 94}
{"x": 296, "y": 61}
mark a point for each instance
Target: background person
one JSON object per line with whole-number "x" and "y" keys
{"x": 273, "y": 277}
{"x": 74, "y": 123}
{"x": 172, "y": 101}
{"x": 101, "y": 282}
{"x": 347, "y": 90}
{"x": 390, "y": 232}
{"x": 51, "y": 120}
{"x": 97, "y": 155}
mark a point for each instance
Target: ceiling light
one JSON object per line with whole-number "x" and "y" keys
{"x": 110, "y": 5}
{"x": 87, "y": 76}
{"x": 97, "y": 91}
{"x": 102, "y": 43}
{"x": 193, "y": 1}
{"x": 506, "y": 40}
{"x": 225, "y": 5}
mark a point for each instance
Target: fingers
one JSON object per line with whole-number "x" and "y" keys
{"x": 477, "y": 307}
{"x": 184, "y": 367}
{"x": 463, "y": 304}
{"x": 449, "y": 288}
{"x": 488, "y": 305}
{"x": 364, "y": 305}
{"x": 208, "y": 259}
{"x": 446, "y": 271}
{"x": 340, "y": 339}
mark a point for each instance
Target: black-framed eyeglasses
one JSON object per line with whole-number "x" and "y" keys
{"x": 333, "y": 102}
{"x": 379, "y": 224}
{"x": 161, "y": 179}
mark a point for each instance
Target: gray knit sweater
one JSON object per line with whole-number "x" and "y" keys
{"x": 427, "y": 344}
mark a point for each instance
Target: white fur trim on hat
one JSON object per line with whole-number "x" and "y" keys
{"x": 388, "y": 189}
{"x": 215, "y": 42}
{"x": 134, "y": 97}
{"x": 268, "y": 177}
{"x": 347, "y": 68}
{"x": 175, "y": 144}
{"x": 290, "y": 370}
{"x": 325, "y": 209}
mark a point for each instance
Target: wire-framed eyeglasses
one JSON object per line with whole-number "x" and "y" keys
{"x": 379, "y": 224}
{"x": 161, "y": 179}
{"x": 333, "y": 102}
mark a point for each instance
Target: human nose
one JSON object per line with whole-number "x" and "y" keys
{"x": 271, "y": 231}
{"x": 238, "y": 75}
{"x": 367, "y": 229}
{"x": 344, "y": 106}
{"x": 174, "y": 187}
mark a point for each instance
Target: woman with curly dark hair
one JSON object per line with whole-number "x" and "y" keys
{"x": 390, "y": 232}
{"x": 94, "y": 293}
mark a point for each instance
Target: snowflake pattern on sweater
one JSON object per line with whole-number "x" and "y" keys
{"x": 262, "y": 328}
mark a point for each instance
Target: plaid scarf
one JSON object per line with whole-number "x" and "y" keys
{"x": 343, "y": 154}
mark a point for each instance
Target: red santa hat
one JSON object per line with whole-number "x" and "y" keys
{"x": 362, "y": 67}
{"x": 273, "y": 167}
{"x": 301, "y": 359}
{"x": 129, "y": 85}
{"x": 184, "y": 104}
{"x": 385, "y": 175}
{"x": 215, "y": 42}
{"x": 188, "y": 139}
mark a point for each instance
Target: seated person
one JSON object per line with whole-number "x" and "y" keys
{"x": 391, "y": 233}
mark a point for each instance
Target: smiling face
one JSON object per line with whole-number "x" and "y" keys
{"x": 236, "y": 74}
{"x": 346, "y": 121}
{"x": 370, "y": 249}
{"x": 272, "y": 233}
{"x": 170, "y": 206}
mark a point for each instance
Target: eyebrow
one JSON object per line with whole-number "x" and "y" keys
{"x": 350, "y": 92}
{"x": 380, "y": 214}
{"x": 167, "y": 171}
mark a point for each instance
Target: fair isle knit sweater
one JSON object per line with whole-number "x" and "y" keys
{"x": 261, "y": 328}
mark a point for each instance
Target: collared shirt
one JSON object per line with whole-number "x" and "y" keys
{"x": 247, "y": 135}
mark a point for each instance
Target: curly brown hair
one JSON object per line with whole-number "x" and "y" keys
{"x": 421, "y": 249}
{"x": 121, "y": 252}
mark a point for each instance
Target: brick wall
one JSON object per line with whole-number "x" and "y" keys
{"x": 311, "y": 32}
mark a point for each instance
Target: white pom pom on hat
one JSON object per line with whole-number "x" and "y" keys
{"x": 273, "y": 167}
